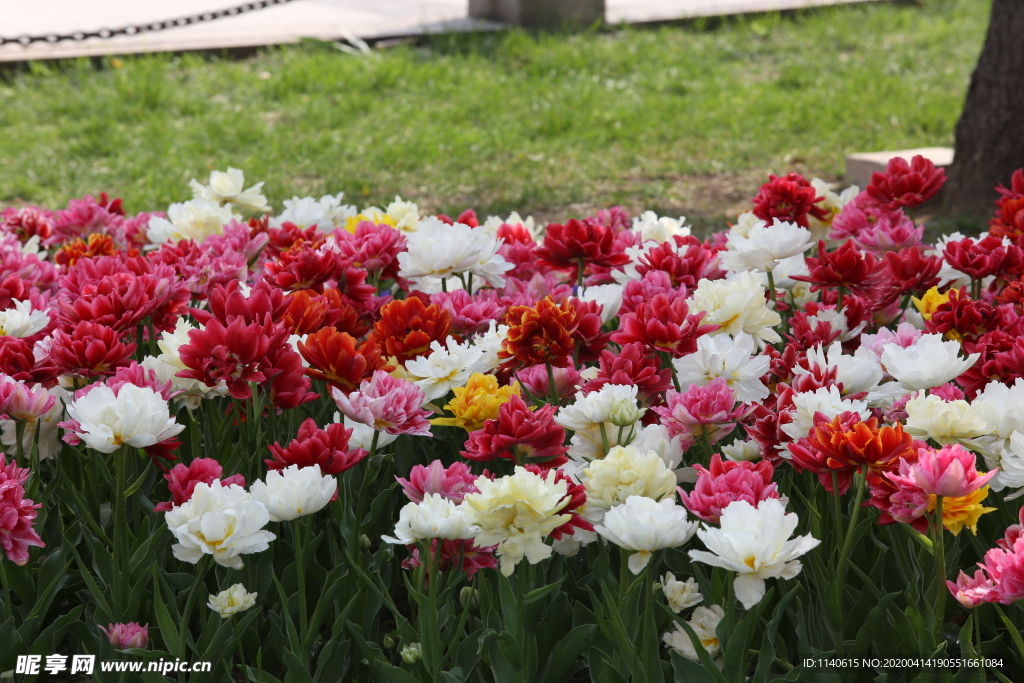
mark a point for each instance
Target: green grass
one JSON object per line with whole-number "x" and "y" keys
{"x": 677, "y": 119}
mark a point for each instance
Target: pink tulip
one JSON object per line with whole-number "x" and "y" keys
{"x": 388, "y": 404}
{"x": 452, "y": 483}
{"x": 29, "y": 404}
{"x": 535, "y": 379}
{"x": 973, "y": 591}
{"x": 709, "y": 411}
{"x": 950, "y": 472}
{"x": 124, "y": 636}
{"x": 727, "y": 482}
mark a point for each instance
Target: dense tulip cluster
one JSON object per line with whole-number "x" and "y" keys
{"x": 466, "y": 429}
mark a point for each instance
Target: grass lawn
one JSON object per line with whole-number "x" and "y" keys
{"x": 682, "y": 120}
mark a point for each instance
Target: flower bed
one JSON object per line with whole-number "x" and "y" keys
{"x": 349, "y": 445}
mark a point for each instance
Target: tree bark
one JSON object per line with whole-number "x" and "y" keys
{"x": 990, "y": 133}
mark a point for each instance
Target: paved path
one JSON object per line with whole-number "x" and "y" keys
{"x": 324, "y": 19}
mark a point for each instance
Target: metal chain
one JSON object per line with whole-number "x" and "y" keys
{"x": 148, "y": 27}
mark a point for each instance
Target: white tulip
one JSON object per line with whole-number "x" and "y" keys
{"x": 930, "y": 362}
{"x": 294, "y": 492}
{"x": 434, "y": 517}
{"x": 135, "y": 416}
{"x": 223, "y": 521}
{"x": 755, "y": 543}
{"x": 229, "y": 602}
{"x": 645, "y": 525}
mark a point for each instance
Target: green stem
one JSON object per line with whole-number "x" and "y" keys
{"x": 839, "y": 298}
{"x": 153, "y": 343}
{"x": 837, "y": 506}
{"x": 524, "y": 580}
{"x": 844, "y": 556}
{"x": 918, "y": 537}
{"x": 429, "y": 631}
{"x": 6, "y": 588}
{"x": 771, "y": 288}
{"x": 666, "y": 360}
{"x": 580, "y": 267}
{"x": 522, "y": 388}
{"x": 120, "y": 529}
{"x": 241, "y": 652}
{"x": 705, "y": 444}
{"x": 364, "y": 482}
{"x": 604, "y": 440}
{"x": 730, "y": 601}
{"x": 646, "y": 646}
{"x": 140, "y": 351}
{"x": 444, "y": 285}
{"x": 193, "y": 591}
{"x": 623, "y": 580}
{"x": 19, "y": 435}
{"x": 977, "y": 632}
{"x": 940, "y": 569}
{"x": 299, "y": 529}
{"x": 552, "y": 389}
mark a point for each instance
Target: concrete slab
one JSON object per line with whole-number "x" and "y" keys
{"x": 859, "y": 167}
{"x": 323, "y": 19}
{"x": 644, "y": 11}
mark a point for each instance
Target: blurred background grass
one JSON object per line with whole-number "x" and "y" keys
{"x": 685, "y": 119}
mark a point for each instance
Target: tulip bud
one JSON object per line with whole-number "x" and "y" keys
{"x": 389, "y": 642}
{"x": 412, "y": 653}
{"x": 469, "y": 597}
{"x": 626, "y": 413}
{"x": 364, "y": 541}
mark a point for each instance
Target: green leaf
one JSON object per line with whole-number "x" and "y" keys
{"x": 737, "y": 648}
{"x": 105, "y": 613}
{"x": 293, "y": 636}
{"x": 52, "y": 575}
{"x": 564, "y": 657}
{"x": 332, "y": 586}
{"x": 168, "y": 629}
{"x": 767, "y": 655}
{"x": 295, "y": 669}
{"x": 689, "y": 671}
{"x": 138, "y": 482}
{"x": 259, "y": 676}
{"x": 504, "y": 671}
{"x": 538, "y": 593}
{"x": 871, "y": 628}
{"x": 51, "y": 636}
{"x": 453, "y": 676}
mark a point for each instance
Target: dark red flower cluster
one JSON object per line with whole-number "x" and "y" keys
{"x": 183, "y": 479}
{"x": 633, "y": 365}
{"x": 788, "y": 198}
{"x": 519, "y": 434}
{"x": 121, "y": 292}
{"x": 327, "y": 447}
{"x": 578, "y": 244}
{"x": 685, "y": 260}
{"x": 663, "y": 324}
{"x": 987, "y": 257}
{"x": 906, "y": 185}
{"x": 1009, "y": 218}
{"x": 850, "y": 270}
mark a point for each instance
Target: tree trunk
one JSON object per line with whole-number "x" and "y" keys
{"x": 990, "y": 133}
